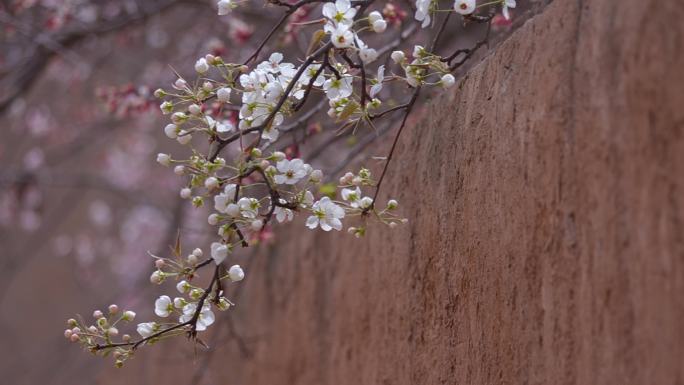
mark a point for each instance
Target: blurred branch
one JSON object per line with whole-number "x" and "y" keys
{"x": 27, "y": 71}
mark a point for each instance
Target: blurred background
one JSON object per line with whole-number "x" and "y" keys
{"x": 82, "y": 200}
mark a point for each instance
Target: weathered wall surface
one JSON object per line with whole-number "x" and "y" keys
{"x": 546, "y": 242}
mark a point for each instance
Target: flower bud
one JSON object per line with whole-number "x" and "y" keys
{"x": 192, "y": 259}
{"x": 316, "y": 176}
{"x": 159, "y": 263}
{"x": 201, "y": 65}
{"x": 392, "y": 204}
{"x": 183, "y": 287}
{"x": 347, "y": 179}
{"x": 97, "y": 314}
{"x": 356, "y": 181}
{"x": 113, "y": 332}
{"x": 129, "y": 315}
{"x": 157, "y": 277}
{"x": 159, "y": 93}
{"x": 113, "y": 309}
{"x": 392, "y": 225}
{"x": 448, "y": 80}
{"x": 179, "y": 117}
{"x": 179, "y": 302}
{"x": 92, "y": 329}
{"x": 379, "y": 26}
{"x": 207, "y": 86}
{"x": 76, "y": 330}
{"x": 163, "y": 159}
{"x": 171, "y": 131}
{"x": 74, "y": 337}
{"x": 67, "y": 333}
{"x": 72, "y": 322}
{"x": 255, "y": 153}
{"x": 374, "y": 16}
{"x": 365, "y": 202}
{"x": 126, "y": 337}
{"x": 185, "y": 193}
{"x": 180, "y": 84}
{"x": 195, "y": 109}
{"x": 235, "y": 273}
{"x": 102, "y": 322}
{"x": 211, "y": 183}
{"x": 198, "y": 201}
{"x": 197, "y": 252}
{"x": 213, "y": 219}
{"x": 278, "y": 155}
{"x": 196, "y": 293}
{"x": 256, "y": 225}
{"x": 166, "y": 107}
{"x": 179, "y": 170}
{"x": 398, "y": 57}
{"x": 264, "y": 164}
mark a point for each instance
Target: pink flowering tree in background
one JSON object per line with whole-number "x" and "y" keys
{"x": 262, "y": 128}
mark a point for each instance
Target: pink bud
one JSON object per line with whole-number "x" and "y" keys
{"x": 97, "y": 314}
{"x": 74, "y": 337}
{"x": 159, "y": 263}
{"x": 113, "y": 309}
{"x": 67, "y": 333}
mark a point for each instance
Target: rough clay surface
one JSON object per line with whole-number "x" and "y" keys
{"x": 546, "y": 241}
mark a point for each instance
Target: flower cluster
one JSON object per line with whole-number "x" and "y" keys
{"x": 247, "y": 176}
{"x": 426, "y": 8}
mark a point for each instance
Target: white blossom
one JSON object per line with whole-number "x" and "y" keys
{"x": 338, "y": 88}
{"x": 163, "y": 306}
{"x": 223, "y": 94}
{"x": 222, "y": 200}
{"x": 147, "y": 329}
{"x": 423, "y": 12}
{"x": 225, "y": 6}
{"x": 377, "y": 87}
{"x": 326, "y": 214}
{"x": 291, "y": 171}
{"x": 219, "y": 252}
{"x": 353, "y": 196}
{"x": 504, "y": 8}
{"x": 249, "y": 207}
{"x": 465, "y": 7}
{"x": 201, "y": 65}
{"x": 340, "y": 12}
{"x": 341, "y": 36}
{"x": 205, "y": 319}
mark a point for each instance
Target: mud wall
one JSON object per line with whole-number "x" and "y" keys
{"x": 546, "y": 235}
